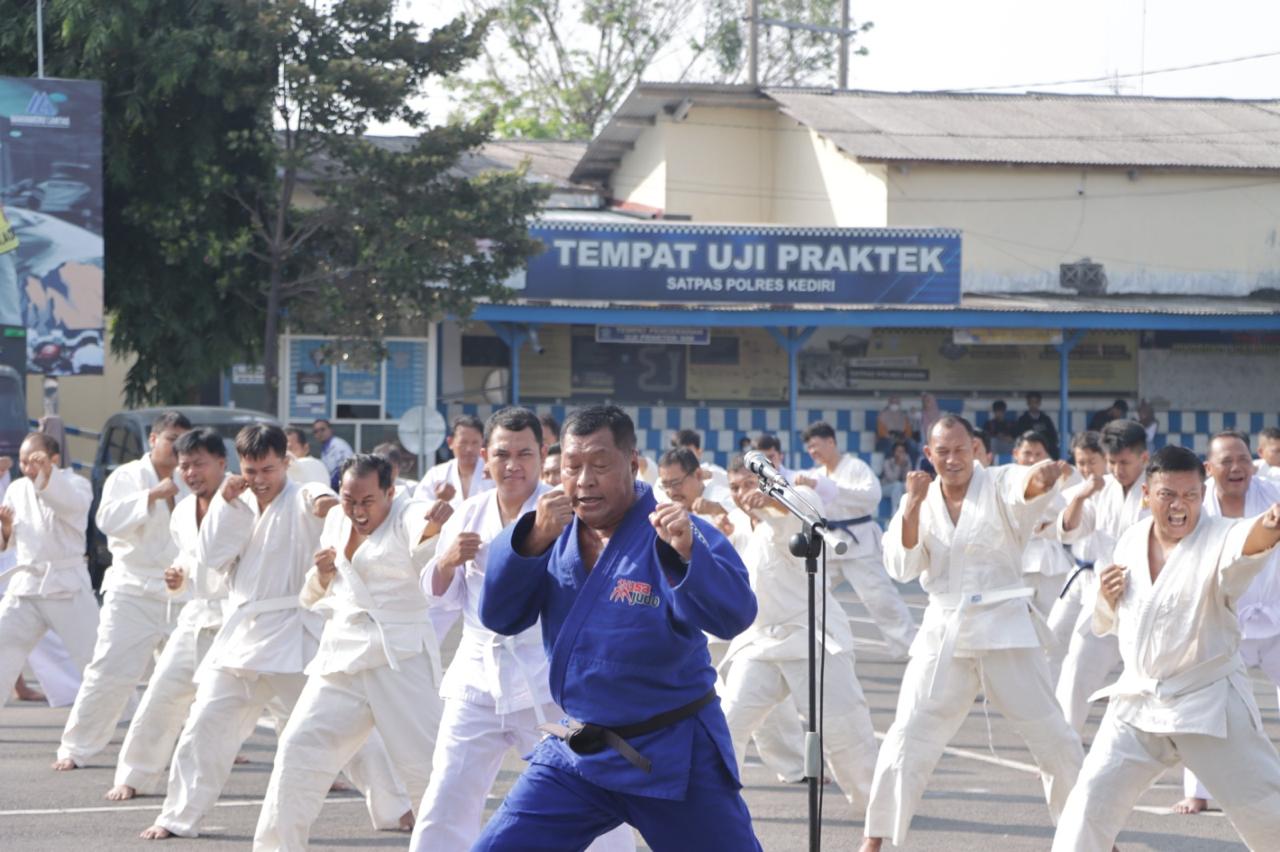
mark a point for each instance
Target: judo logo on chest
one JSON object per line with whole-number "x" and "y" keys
{"x": 634, "y": 593}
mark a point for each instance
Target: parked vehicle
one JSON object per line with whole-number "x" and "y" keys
{"x": 124, "y": 438}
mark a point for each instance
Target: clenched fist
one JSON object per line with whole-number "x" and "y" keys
{"x": 674, "y": 527}
{"x": 439, "y": 512}
{"x": 710, "y": 508}
{"x": 445, "y": 491}
{"x": 6, "y": 521}
{"x": 1092, "y": 485}
{"x": 461, "y": 550}
{"x": 554, "y": 513}
{"x": 234, "y": 487}
{"x": 173, "y": 577}
{"x": 1271, "y": 518}
{"x": 1045, "y": 475}
{"x": 323, "y": 505}
{"x": 917, "y": 485}
{"x": 1111, "y": 584}
{"x": 326, "y": 565}
{"x": 166, "y": 491}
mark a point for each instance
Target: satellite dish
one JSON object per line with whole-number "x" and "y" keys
{"x": 496, "y": 384}
{"x": 421, "y": 430}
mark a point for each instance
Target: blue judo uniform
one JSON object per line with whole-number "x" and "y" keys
{"x": 625, "y": 643}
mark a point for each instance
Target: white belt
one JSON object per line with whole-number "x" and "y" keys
{"x": 959, "y": 604}
{"x": 246, "y": 610}
{"x": 1197, "y": 677}
{"x": 350, "y": 612}
{"x": 508, "y": 643}
{"x": 44, "y": 569}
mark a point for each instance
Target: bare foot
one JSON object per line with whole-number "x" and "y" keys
{"x": 26, "y": 693}
{"x": 65, "y": 764}
{"x": 240, "y": 760}
{"x": 1190, "y": 805}
{"x": 406, "y": 821}
{"x": 871, "y": 844}
{"x": 339, "y": 786}
{"x": 156, "y": 832}
{"x": 120, "y": 793}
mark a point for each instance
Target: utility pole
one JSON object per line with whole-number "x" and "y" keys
{"x": 753, "y": 54}
{"x": 843, "y": 76}
{"x": 844, "y": 33}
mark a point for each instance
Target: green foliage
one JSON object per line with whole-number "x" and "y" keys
{"x": 788, "y": 57}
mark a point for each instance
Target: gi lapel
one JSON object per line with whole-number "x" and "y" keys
{"x": 591, "y": 587}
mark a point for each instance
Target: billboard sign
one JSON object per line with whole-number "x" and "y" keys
{"x": 51, "y": 250}
{"x": 673, "y": 262}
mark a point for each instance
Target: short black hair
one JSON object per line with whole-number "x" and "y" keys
{"x": 1231, "y": 433}
{"x": 554, "y": 450}
{"x": 1034, "y": 395}
{"x": 258, "y": 440}
{"x": 1270, "y": 433}
{"x": 984, "y": 438}
{"x": 390, "y": 451}
{"x": 1174, "y": 459}
{"x": 818, "y": 429}
{"x": 203, "y": 438}
{"x": 321, "y": 420}
{"x": 362, "y": 464}
{"x": 299, "y": 434}
{"x": 513, "y": 418}
{"x": 466, "y": 421}
{"x": 768, "y": 442}
{"x": 1031, "y": 436}
{"x": 681, "y": 456}
{"x": 946, "y": 421}
{"x": 1121, "y": 435}
{"x": 1121, "y": 404}
{"x": 1091, "y": 441}
{"x": 550, "y": 426}
{"x": 999, "y": 405}
{"x": 50, "y": 443}
{"x": 170, "y": 420}
{"x": 897, "y": 444}
{"x": 687, "y": 438}
{"x": 593, "y": 418}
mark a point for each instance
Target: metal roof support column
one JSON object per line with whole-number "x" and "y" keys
{"x": 793, "y": 340}
{"x": 1069, "y": 341}
{"x": 514, "y": 335}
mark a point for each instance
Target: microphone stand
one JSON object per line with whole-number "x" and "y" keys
{"x": 808, "y": 544}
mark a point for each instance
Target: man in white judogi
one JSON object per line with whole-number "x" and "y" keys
{"x": 496, "y": 691}
{"x": 153, "y": 732}
{"x": 43, "y": 520}
{"x": 261, "y": 531}
{"x": 304, "y": 467}
{"x": 1170, "y": 598}
{"x": 1117, "y": 506}
{"x": 462, "y": 476}
{"x": 378, "y": 665}
{"x": 768, "y": 662}
{"x": 963, "y": 536}
{"x": 1233, "y": 491}
{"x": 136, "y": 616}
{"x": 1267, "y": 465}
{"x": 851, "y": 509}
{"x": 1045, "y": 564}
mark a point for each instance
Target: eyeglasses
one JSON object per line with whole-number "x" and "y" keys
{"x": 672, "y": 484}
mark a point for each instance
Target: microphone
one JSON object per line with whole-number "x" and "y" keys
{"x": 759, "y": 464}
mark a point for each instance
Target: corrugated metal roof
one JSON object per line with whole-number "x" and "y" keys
{"x": 1032, "y": 128}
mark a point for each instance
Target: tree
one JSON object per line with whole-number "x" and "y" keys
{"x": 396, "y": 234}
{"x": 559, "y": 69}
{"x": 179, "y": 82}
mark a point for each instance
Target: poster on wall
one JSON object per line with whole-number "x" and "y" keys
{"x": 844, "y": 360}
{"x": 51, "y": 249}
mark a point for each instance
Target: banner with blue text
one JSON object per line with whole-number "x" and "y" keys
{"x": 668, "y": 262}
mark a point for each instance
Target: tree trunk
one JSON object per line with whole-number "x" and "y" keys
{"x": 270, "y": 340}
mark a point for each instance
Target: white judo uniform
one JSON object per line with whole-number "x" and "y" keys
{"x": 137, "y": 613}
{"x": 1064, "y": 616}
{"x": 980, "y": 634}
{"x": 1045, "y": 563}
{"x": 1184, "y": 693}
{"x": 496, "y": 693}
{"x": 768, "y": 662}
{"x": 259, "y": 653}
{"x": 448, "y": 472}
{"x": 378, "y": 667}
{"x": 153, "y": 732}
{"x": 1258, "y": 608}
{"x": 48, "y": 587}
{"x": 1266, "y": 471}
{"x": 853, "y": 494}
{"x": 1091, "y": 658}
{"x": 53, "y": 667}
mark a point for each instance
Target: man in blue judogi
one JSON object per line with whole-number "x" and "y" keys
{"x": 624, "y": 588}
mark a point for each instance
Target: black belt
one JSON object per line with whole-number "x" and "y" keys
{"x": 587, "y": 738}
{"x": 848, "y": 525}
{"x": 1081, "y": 567}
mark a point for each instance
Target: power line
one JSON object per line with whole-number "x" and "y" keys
{"x": 1109, "y": 77}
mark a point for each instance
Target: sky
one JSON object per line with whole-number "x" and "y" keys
{"x": 918, "y": 45}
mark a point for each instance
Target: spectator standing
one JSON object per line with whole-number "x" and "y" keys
{"x": 998, "y": 429}
{"x": 892, "y": 426}
{"x": 1035, "y": 420}
{"x": 893, "y": 474}
{"x": 333, "y": 450}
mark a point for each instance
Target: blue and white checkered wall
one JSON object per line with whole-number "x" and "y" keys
{"x": 721, "y": 427}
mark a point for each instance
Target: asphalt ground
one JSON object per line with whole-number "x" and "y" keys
{"x": 984, "y": 795}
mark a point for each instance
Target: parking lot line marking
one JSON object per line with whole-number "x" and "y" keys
{"x": 106, "y": 809}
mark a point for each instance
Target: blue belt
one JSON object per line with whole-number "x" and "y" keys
{"x": 848, "y": 525}
{"x": 1081, "y": 567}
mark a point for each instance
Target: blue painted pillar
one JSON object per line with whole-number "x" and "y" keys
{"x": 1069, "y": 341}
{"x": 514, "y": 335}
{"x": 793, "y": 340}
